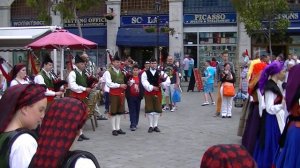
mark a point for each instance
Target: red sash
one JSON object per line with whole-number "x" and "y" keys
{"x": 50, "y": 98}
{"x": 118, "y": 92}
{"x": 80, "y": 96}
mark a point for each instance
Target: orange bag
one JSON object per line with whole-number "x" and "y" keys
{"x": 228, "y": 89}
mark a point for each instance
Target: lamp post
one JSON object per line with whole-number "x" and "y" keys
{"x": 157, "y": 8}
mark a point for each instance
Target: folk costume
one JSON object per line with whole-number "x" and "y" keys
{"x": 255, "y": 110}
{"x": 153, "y": 99}
{"x": 289, "y": 153}
{"x": 14, "y": 73}
{"x": 113, "y": 79}
{"x": 17, "y": 147}
{"x": 44, "y": 78}
{"x": 272, "y": 121}
{"x": 63, "y": 120}
{"x": 77, "y": 81}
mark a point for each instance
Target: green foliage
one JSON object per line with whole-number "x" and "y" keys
{"x": 262, "y": 15}
{"x": 43, "y": 7}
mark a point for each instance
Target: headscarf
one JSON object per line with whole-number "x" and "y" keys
{"x": 16, "y": 70}
{"x": 293, "y": 87}
{"x": 255, "y": 75}
{"x": 64, "y": 118}
{"x": 227, "y": 156}
{"x": 274, "y": 68}
{"x": 15, "y": 98}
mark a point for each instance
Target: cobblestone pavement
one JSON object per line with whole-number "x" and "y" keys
{"x": 185, "y": 136}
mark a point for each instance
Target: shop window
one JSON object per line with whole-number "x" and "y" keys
{"x": 190, "y": 38}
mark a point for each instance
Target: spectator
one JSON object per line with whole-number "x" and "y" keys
{"x": 209, "y": 74}
{"x": 186, "y": 64}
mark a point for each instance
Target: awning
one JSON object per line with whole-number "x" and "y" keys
{"x": 18, "y": 37}
{"x": 94, "y": 34}
{"x": 139, "y": 37}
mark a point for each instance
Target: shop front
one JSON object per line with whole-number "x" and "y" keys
{"x": 206, "y": 36}
{"x": 138, "y": 36}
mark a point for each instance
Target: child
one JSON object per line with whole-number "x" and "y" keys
{"x": 209, "y": 74}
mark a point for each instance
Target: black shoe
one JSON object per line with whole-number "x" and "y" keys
{"x": 101, "y": 118}
{"x": 228, "y": 116}
{"x": 150, "y": 130}
{"x": 133, "y": 128}
{"x": 80, "y": 139}
{"x": 84, "y": 137}
{"x": 156, "y": 129}
{"x": 223, "y": 117}
{"x": 121, "y": 131}
{"x": 115, "y": 133}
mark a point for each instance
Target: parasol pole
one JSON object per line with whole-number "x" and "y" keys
{"x": 55, "y": 60}
{"x": 62, "y": 64}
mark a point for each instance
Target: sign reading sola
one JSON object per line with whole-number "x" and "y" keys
{"x": 214, "y": 18}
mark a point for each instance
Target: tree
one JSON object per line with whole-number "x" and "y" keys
{"x": 68, "y": 8}
{"x": 263, "y": 17}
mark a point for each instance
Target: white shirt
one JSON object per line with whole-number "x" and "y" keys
{"x": 146, "y": 83}
{"x": 84, "y": 163}
{"x": 108, "y": 81}
{"x": 186, "y": 63}
{"x": 105, "y": 88}
{"x": 40, "y": 80}
{"x": 22, "y": 151}
{"x": 17, "y": 82}
{"x": 72, "y": 82}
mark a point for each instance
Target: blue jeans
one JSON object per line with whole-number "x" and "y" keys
{"x": 134, "y": 104}
{"x": 106, "y": 101}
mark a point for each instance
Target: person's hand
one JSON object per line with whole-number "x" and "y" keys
{"x": 124, "y": 86}
{"x": 155, "y": 88}
{"x": 88, "y": 90}
{"x": 59, "y": 93}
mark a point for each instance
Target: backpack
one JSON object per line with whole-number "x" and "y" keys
{"x": 72, "y": 156}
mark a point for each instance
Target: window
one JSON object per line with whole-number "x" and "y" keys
{"x": 143, "y": 7}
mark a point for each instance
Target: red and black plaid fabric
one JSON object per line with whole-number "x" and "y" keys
{"x": 64, "y": 118}
{"x": 227, "y": 156}
{"x": 16, "y": 97}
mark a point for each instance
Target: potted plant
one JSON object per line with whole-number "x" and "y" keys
{"x": 167, "y": 29}
{"x": 110, "y": 15}
{"x": 150, "y": 29}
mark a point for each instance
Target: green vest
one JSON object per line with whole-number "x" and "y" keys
{"x": 48, "y": 81}
{"x": 81, "y": 80}
{"x": 116, "y": 77}
{"x": 6, "y": 141}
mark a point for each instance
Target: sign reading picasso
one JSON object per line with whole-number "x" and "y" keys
{"x": 214, "y": 18}
{"x": 86, "y": 22}
{"x": 25, "y": 23}
{"x": 144, "y": 20}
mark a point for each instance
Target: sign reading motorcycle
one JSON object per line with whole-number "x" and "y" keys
{"x": 144, "y": 20}
{"x": 214, "y": 18}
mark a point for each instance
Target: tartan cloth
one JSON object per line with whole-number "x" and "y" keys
{"x": 63, "y": 120}
{"x": 227, "y": 156}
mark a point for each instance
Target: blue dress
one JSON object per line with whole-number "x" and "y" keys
{"x": 264, "y": 153}
{"x": 289, "y": 156}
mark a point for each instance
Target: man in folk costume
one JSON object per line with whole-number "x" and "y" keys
{"x": 44, "y": 78}
{"x": 115, "y": 80}
{"x": 77, "y": 81}
{"x": 152, "y": 81}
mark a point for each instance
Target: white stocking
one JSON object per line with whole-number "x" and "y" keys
{"x": 156, "y": 117}
{"x": 118, "y": 121}
{"x": 113, "y": 122}
{"x": 150, "y": 118}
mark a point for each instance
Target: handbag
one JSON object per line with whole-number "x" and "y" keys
{"x": 228, "y": 89}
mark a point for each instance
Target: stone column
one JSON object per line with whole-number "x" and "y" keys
{"x": 176, "y": 22}
{"x": 244, "y": 42}
{"x": 5, "y": 12}
{"x": 113, "y": 25}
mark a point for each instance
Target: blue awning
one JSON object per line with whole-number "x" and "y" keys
{"x": 94, "y": 34}
{"x": 138, "y": 37}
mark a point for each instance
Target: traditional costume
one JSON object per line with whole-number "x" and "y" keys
{"x": 44, "y": 78}
{"x": 77, "y": 81}
{"x": 153, "y": 98}
{"x": 61, "y": 125}
{"x": 256, "y": 106}
{"x": 18, "y": 146}
{"x": 272, "y": 121}
{"x": 289, "y": 153}
{"x": 114, "y": 77}
{"x": 14, "y": 73}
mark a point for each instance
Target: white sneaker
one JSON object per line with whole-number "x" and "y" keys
{"x": 213, "y": 103}
{"x": 173, "y": 109}
{"x": 165, "y": 108}
{"x": 205, "y": 103}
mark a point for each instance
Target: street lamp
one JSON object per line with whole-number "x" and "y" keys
{"x": 157, "y": 8}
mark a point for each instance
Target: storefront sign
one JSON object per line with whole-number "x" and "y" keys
{"x": 86, "y": 22}
{"x": 144, "y": 20}
{"x": 26, "y": 23}
{"x": 214, "y": 18}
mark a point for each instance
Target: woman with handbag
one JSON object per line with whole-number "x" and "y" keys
{"x": 227, "y": 91}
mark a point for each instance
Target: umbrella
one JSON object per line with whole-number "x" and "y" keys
{"x": 62, "y": 39}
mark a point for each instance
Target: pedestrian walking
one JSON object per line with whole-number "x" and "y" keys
{"x": 209, "y": 74}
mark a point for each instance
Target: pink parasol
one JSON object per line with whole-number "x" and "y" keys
{"x": 62, "y": 39}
